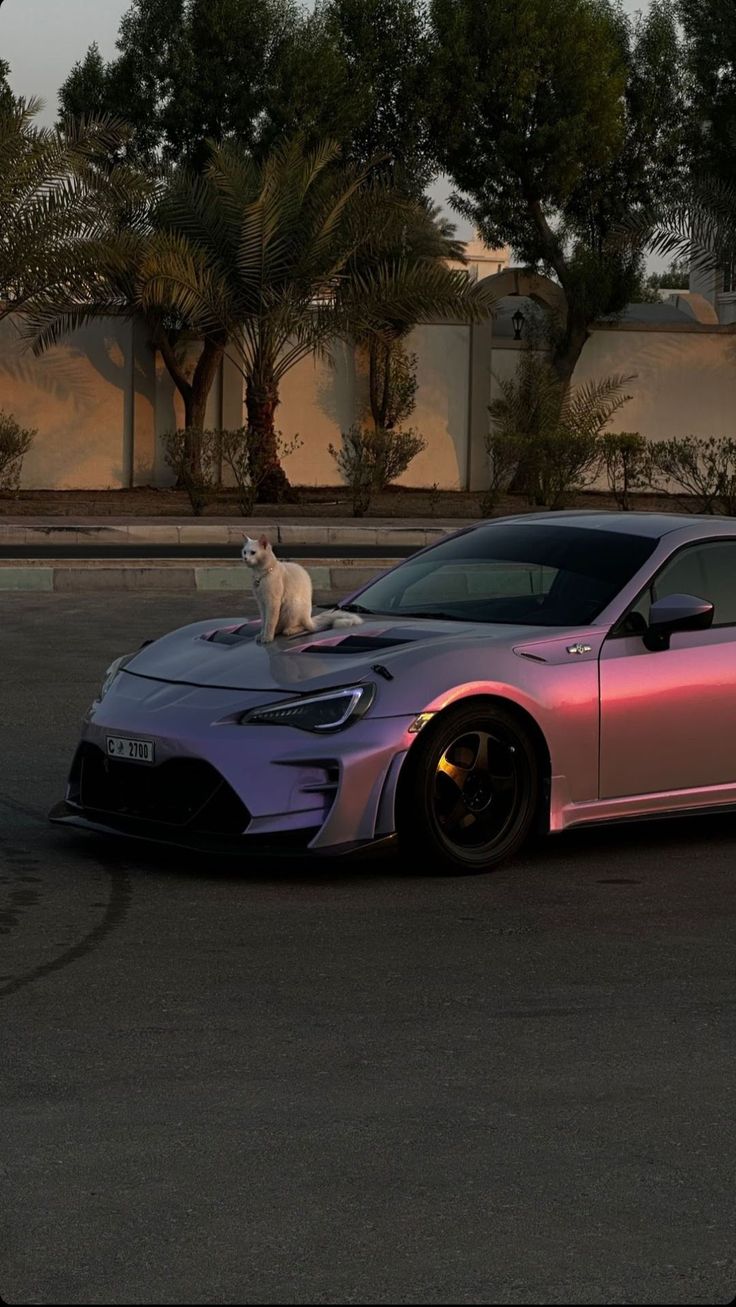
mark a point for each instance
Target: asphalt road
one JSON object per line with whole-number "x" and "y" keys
{"x": 349, "y": 1083}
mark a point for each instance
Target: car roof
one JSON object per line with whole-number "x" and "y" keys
{"x": 652, "y": 525}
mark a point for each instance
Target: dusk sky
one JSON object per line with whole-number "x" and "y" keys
{"x": 42, "y": 39}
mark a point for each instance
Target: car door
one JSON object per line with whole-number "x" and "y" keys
{"x": 668, "y": 719}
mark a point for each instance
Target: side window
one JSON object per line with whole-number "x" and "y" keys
{"x": 719, "y": 561}
{"x": 685, "y": 575}
{"x": 707, "y": 571}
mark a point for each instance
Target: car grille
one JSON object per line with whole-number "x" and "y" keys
{"x": 182, "y": 792}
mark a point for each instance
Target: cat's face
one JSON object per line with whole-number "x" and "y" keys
{"x": 255, "y": 552}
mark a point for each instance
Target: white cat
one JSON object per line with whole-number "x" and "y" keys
{"x": 283, "y": 593}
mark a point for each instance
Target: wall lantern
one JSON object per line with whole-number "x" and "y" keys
{"x": 518, "y": 320}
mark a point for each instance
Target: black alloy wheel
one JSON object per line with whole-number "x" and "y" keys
{"x": 471, "y": 790}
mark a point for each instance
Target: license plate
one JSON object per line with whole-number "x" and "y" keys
{"x": 126, "y": 749}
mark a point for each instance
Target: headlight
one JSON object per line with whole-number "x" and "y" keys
{"x": 332, "y": 711}
{"x": 112, "y": 672}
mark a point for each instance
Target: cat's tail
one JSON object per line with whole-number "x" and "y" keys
{"x": 335, "y": 618}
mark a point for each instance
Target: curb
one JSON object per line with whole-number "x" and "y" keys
{"x": 36, "y": 532}
{"x": 49, "y": 577}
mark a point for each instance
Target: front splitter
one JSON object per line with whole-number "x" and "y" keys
{"x": 236, "y": 846}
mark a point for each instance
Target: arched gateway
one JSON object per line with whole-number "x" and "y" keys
{"x": 502, "y": 285}
{"x": 519, "y": 281}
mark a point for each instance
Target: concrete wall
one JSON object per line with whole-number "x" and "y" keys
{"x": 321, "y": 398}
{"x": 80, "y": 397}
{"x": 102, "y": 400}
{"x": 683, "y": 381}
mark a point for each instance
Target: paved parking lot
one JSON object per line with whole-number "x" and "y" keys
{"x": 349, "y": 1083}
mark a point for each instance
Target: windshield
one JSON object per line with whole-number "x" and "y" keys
{"x": 537, "y": 575}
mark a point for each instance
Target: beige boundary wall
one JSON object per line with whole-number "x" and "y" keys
{"x": 102, "y": 400}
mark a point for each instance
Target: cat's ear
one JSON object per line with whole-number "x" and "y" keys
{"x": 263, "y": 542}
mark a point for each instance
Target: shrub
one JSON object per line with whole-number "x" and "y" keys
{"x": 434, "y": 497}
{"x": 702, "y": 467}
{"x": 627, "y": 463}
{"x": 393, "y": 451}
{"x": 15, "y": 441}
{"x": 370, "y": 460}
{"x": 356, "y": 466}
{"x": 201, "y": 474}
{"x": 393, "y": 383}
{"x": 564, "y": 461}
{"x": 552, "y": 465}
{"x": 242, "y": 451}
{"x": 193, "y": 456}
{"x": 555, "y": 428}
{"x": 506, "y": 452}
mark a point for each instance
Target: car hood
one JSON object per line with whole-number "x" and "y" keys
{"x": 224, "y": 653}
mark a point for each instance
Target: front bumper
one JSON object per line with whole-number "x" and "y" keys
{"x": 219, "y": 785}
{"x": 276, "y": 846}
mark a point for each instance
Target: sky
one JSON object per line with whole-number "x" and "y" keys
{"x": 43, "y": 39}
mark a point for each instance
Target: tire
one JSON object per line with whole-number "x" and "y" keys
{"x": 471, "y": 790}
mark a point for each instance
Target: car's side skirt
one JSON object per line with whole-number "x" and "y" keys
{"x": 564, "y": 815}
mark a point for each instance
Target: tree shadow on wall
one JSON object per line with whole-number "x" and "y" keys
{"x": 342, "y": 386}
{"x": 96, "y": 374}
{"x": 56, "y": 374}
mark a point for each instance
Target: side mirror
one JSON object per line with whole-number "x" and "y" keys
{"x": 676, "y": 613}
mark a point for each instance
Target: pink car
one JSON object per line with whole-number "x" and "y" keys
{"x": 537, "y": 672}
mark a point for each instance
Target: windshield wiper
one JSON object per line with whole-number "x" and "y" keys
{"x": 435, "y": 615}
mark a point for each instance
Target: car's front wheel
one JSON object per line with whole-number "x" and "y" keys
{"x": 471, "y": 790}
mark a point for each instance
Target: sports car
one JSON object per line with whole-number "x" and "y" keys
{"x": 526, "y": 674}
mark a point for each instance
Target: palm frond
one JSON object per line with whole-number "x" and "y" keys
{"x": 701, "y": 230}
{"x": 57, "y": 211}
{"x": 175, "y": 275}
{"x": 588, "y": 407}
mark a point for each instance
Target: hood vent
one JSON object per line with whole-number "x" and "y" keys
{"x": 231, "y": 635}
{"x": 355, "y": 644}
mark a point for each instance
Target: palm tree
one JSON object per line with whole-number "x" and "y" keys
{"x": 422, "y": 238}
{"x": 108, "y": 257}
{"x": 54, "y": 209}
{"x": 280, "y": 257}
{"x": 546, "y": 433}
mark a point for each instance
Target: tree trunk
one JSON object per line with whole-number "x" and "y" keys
{"x": 195, "y": 405}
{"x": 575, "y": 331}
{"x": 374, "y": 388}
{"x": 195, "y": 401}
{"x": 261, "y": 402}
{"x": 379, "y": 378}
{"x": 195, "y": 391}
{"x": 386, "y": 397}
{"x": 569, "y": 348}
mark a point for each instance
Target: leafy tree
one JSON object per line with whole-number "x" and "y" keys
{"x": 710, "y": 48}
{"x": 269, "y": 255}
{"x": 357, "y": 71}
{"x": 87, "y": 88}
{"x": 558, "y": 118}
{"x": 675, "y": 277}
{"x": 187, "y": 71}
{"x": 7, "y": 99}
{"x": 647, "y": 287}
